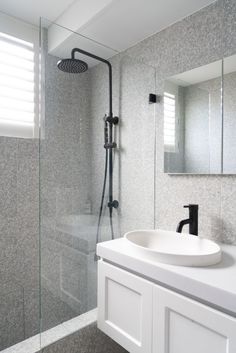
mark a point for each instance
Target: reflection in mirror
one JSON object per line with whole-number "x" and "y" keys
{"x": 193, "y": 121}
{"x": 229, "y": 145}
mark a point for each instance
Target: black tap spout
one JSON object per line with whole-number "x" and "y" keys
{"x": 192, "y": 220}
{"x": 182, "y": 224}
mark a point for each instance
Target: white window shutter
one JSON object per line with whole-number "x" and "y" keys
{"x": 17, "y": 87}
{"x": 169, "y": 122}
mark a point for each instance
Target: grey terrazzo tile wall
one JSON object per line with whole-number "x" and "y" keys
{"x": 133, "y": 159}
{"x": 137, "y": 136}
{"x": 19, "y": 263}
{"x": 199, "y": 39}
{"x": 229, "y": 33}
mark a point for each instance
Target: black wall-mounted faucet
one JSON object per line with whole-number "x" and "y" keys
{"x": 192, "y": 220}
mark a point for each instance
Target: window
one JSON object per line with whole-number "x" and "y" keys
{"x": 17, "y": 87}
{"x": 169, "y": 122}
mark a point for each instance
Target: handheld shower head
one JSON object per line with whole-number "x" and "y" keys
{"x": 73, "y": 66}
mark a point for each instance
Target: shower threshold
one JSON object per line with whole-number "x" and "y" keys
{"x": 35, "y": 343}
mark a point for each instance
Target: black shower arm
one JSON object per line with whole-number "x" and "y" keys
{"x": 105, "y": 62}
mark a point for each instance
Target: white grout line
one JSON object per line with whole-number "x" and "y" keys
{"x": 32, "y": 344}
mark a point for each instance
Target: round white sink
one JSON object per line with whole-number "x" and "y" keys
{"x": 174, "y": 248}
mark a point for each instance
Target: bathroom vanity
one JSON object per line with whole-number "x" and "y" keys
{"x": 152, "y": 307}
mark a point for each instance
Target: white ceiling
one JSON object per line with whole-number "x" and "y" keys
{"x": 117, "y": 24}
{"x": 126, "y": 22}
{"x": 31, "y": 10}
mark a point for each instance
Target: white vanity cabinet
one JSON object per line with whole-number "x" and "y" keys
{"x": 183, "y": 325}
{"x": 146, "y": 318}
{"x": 125, "y": 308}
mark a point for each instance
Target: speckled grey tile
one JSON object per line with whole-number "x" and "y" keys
{"x": 32, "y": 310}
{"x": 28, "y": 148}
{"x": 228, "y": 206}
{"x": 174, "y": 192}
{"x": 8, "y": 183}
{"x": 87, "y": 340}
{"x": 19, "y": 233}
{"x": 27, "y": 194}
{"x": 191, "y": 42}
{"x": 12, "y": 314}
{"x": 229, "y": 31}
{"x": 8, "y": 147}
{"x": 54, "y": 309}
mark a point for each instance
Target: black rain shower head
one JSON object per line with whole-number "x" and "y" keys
{"x": 73, "y": 66}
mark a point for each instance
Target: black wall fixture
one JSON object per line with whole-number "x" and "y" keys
{"x": 154, "y": 98}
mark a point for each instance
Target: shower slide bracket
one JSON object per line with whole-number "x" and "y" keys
{"x": 110, "y": 145}
{"x": 113, "y": 204}
{"x": 112, "y": 120}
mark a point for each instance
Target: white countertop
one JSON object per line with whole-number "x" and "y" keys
{"x": 215, "y": 285}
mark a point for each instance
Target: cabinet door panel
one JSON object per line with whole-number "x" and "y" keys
{"x": 125, "y": 308}
{"x": 182, "y": 325}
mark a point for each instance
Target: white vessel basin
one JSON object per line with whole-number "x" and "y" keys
{"x": 174, "y": 248}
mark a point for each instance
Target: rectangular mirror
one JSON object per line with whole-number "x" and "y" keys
{"x": 229, "y": 116}
{"x": 192, "y": 108}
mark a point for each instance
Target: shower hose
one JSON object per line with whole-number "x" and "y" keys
{"x": 102, "y": 204}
